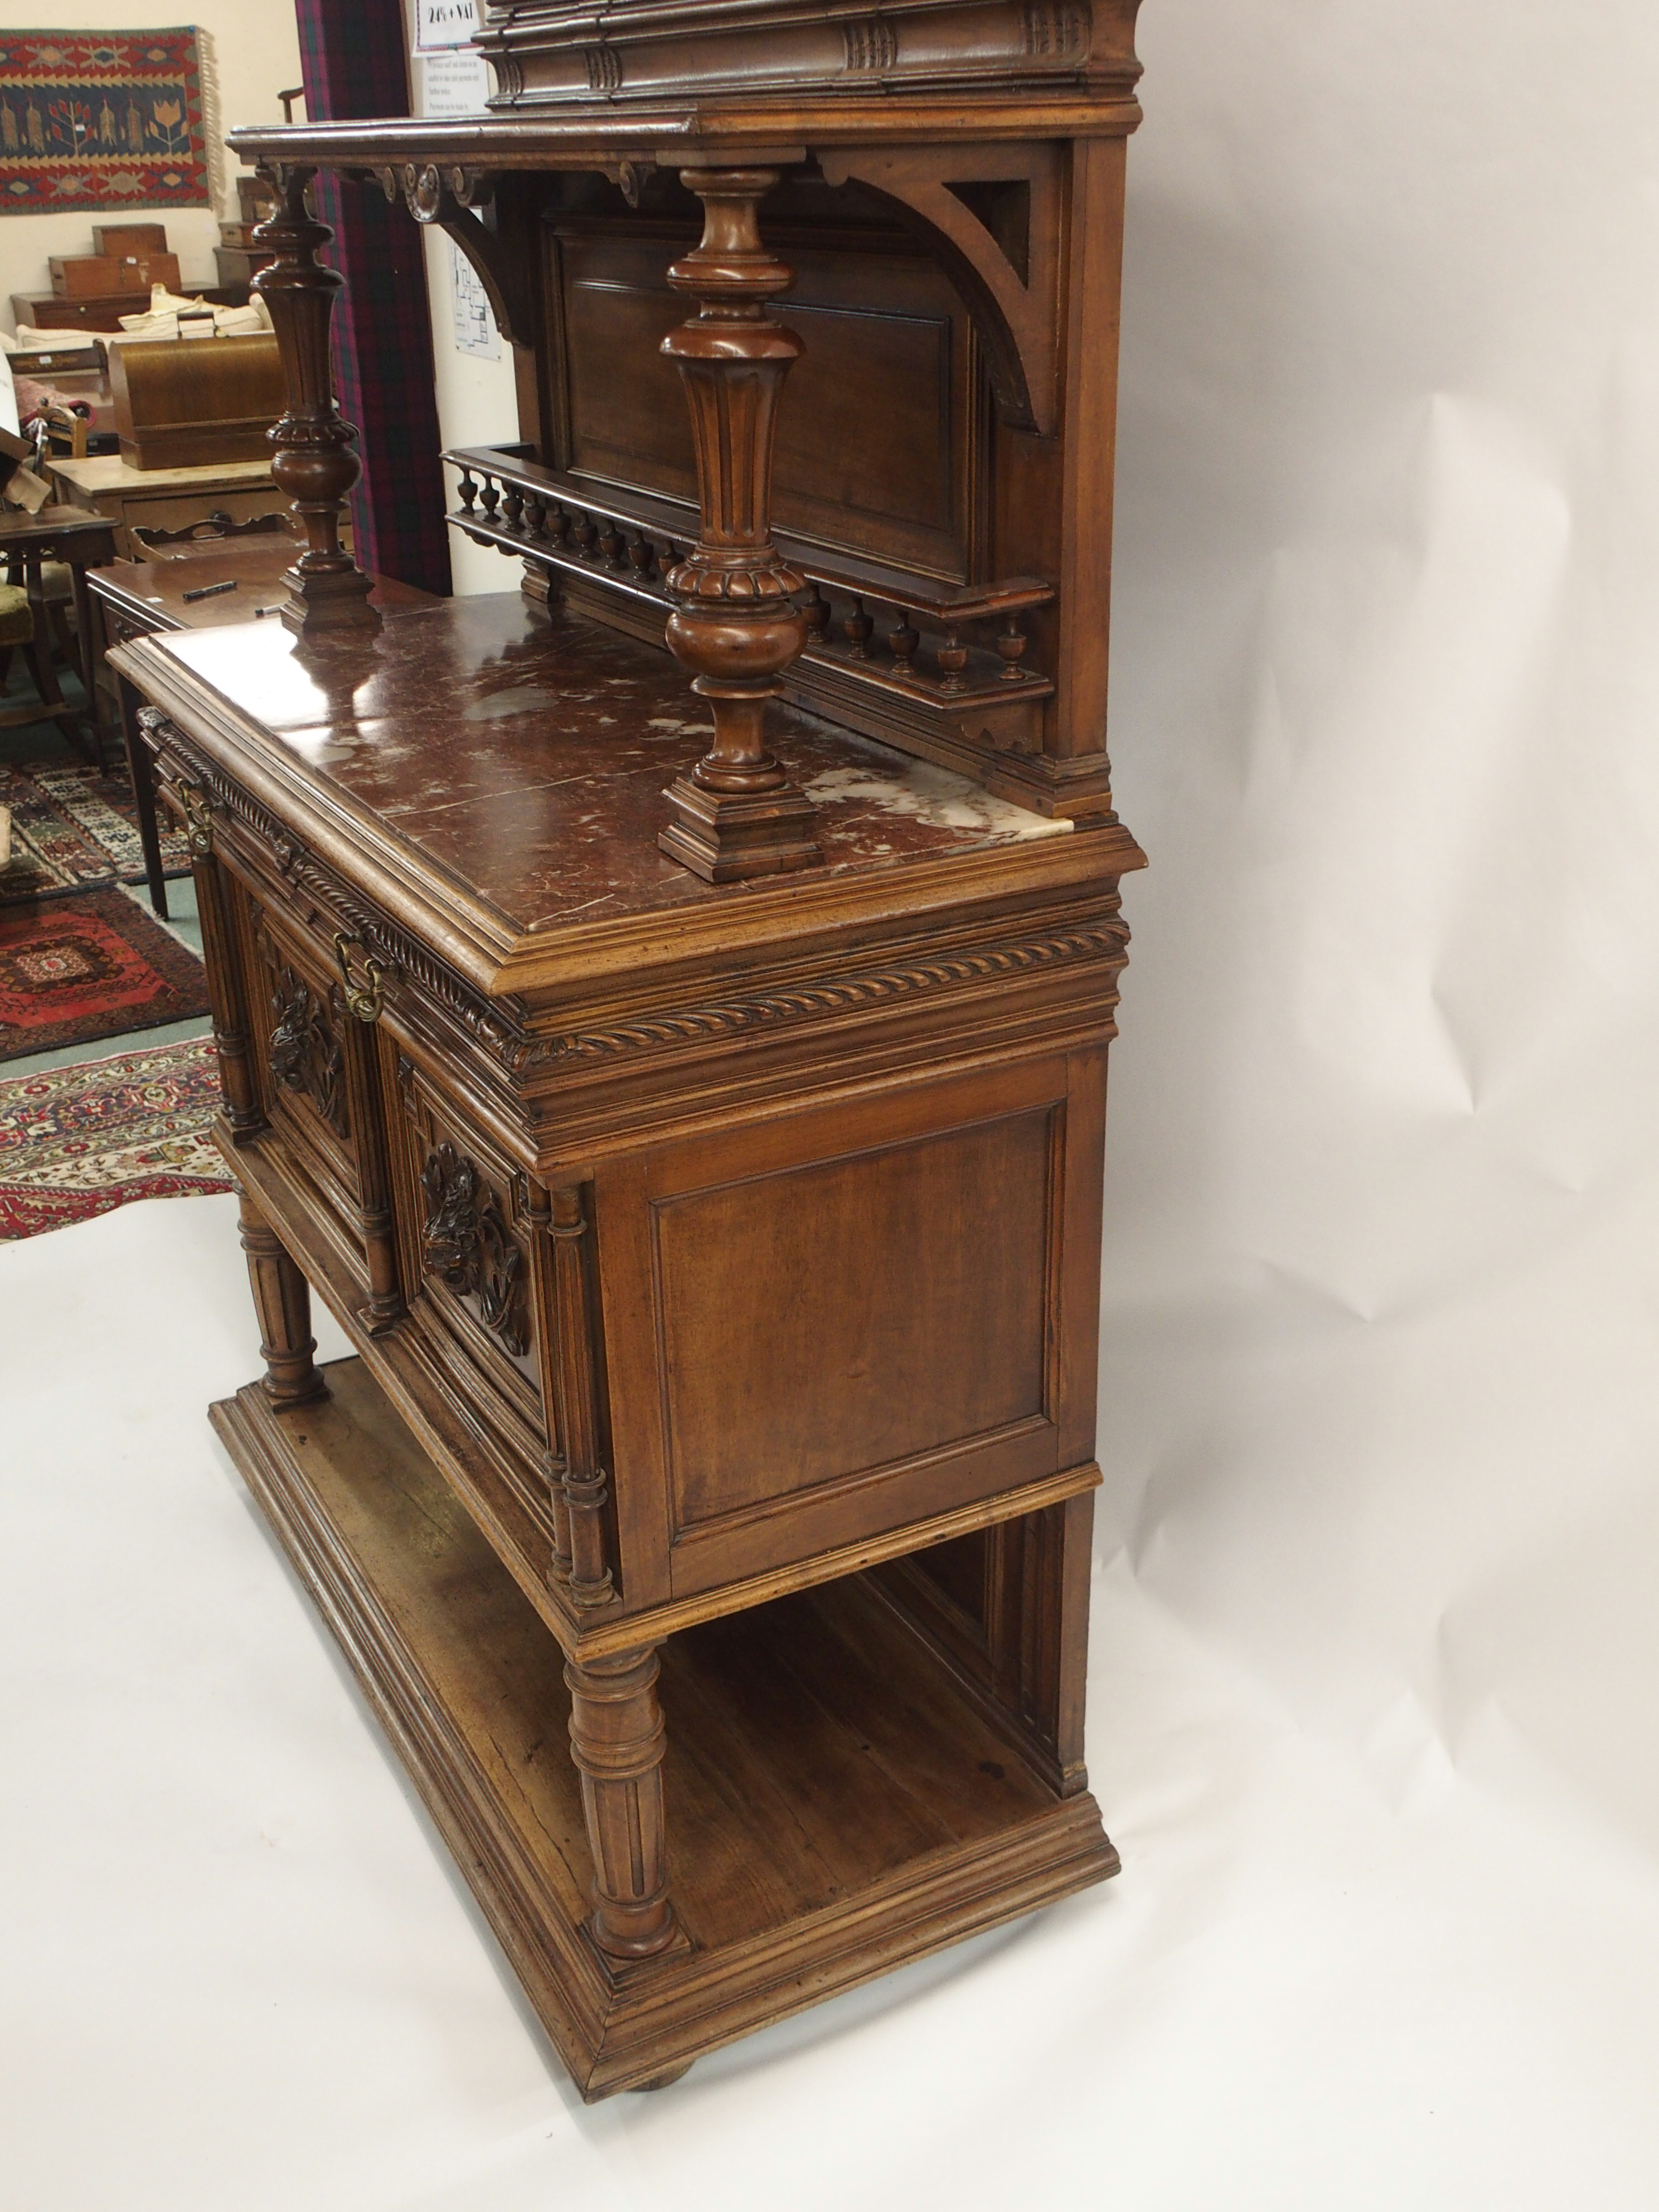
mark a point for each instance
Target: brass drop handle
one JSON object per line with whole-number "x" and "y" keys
{"x": 196, "y": 807}
{"x": 365, "y": 995}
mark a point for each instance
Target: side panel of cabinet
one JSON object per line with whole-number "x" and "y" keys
{"x": 834, "y": 1324}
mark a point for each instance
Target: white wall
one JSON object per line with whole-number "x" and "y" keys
{"x": 251, "y": 50}
{"x": 477, "y": 402}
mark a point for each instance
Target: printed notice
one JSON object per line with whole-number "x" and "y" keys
{"x": 440, "y": 24}
{"x": 454, "y": 83}
{"x": 475, "y": 326}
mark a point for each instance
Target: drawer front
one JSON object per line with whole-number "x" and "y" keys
{"x": 827, "y": 1329}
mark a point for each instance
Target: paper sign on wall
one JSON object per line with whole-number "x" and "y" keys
{"x": 454, "y": 83}
{"x": 440, "y": 24}
{"x": 475, "y": 324}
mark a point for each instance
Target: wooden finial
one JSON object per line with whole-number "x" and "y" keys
{"x": 316, "y": 461}
{"x": 736, "y": 813}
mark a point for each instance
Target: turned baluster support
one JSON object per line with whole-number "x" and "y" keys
{"x": 734, "y": 625}
{"x": 315, "y": 460}
{"x": 616, "y": 1741}
{"x": 282, "y": 1299}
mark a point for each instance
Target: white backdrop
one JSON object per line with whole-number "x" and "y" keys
{"x": 1375, "y": 1677}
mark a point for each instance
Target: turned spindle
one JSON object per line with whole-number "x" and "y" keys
{"x": 952, "y": 659}
{"x": 468, "y": 488}
{"x": 902, "y": 640}
{"x": 1011, "y": 644}
{"x": 860, "y": 627}
{"x": 315, "y": 460}
{"x": 736, "y": 813}
{"x": 816, "y": 614}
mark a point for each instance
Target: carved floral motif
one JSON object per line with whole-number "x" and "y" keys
{"x": 306, "y": 1055}
{"x": 467, "y": 1245}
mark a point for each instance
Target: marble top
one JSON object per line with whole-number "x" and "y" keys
{"x": 527, "y": 751}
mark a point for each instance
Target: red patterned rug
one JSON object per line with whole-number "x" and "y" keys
{"x": 75, "y": 830}
{"x": 79, "y": 1141}
{"x": 73, "y": 970}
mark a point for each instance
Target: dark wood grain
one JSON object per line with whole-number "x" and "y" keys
{"x": 691, "y": 1106}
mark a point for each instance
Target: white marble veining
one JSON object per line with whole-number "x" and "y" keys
{"x": 937, "y": 796}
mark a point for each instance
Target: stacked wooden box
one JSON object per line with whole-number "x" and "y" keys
{"x": 126, "y": 258}
{"x": 238, "y": 257}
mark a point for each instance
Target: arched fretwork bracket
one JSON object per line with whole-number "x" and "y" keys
{"x": 1009, "y": 276}
{"x": 461, "y": 202}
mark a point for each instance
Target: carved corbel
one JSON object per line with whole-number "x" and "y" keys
{"x": 461, "y": 202}
{"x": 315, "y": 461}
{"x": 1016, "y": 312}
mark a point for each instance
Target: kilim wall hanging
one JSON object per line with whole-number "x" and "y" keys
{"x": 101, "y": 119}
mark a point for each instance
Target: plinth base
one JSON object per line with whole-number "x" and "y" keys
{"x": 726, "y": 837}
{"x": 835, "y": 1806}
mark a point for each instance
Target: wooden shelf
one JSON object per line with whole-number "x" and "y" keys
{"x": 836, "y": 1806}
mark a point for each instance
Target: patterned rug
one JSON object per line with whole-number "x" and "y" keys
{"x": 101, "y": 120}
{"x": 75, "y": 970}
{"x": 73, "y": 830}
{"x": 79, "y": 1141}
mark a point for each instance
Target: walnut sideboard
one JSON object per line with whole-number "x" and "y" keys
{"x": 691, "y": 1102}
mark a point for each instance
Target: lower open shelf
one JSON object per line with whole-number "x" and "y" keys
{"x": 834, "y": 1806}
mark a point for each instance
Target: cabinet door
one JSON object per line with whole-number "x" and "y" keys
{"x": 825, "y": 1328}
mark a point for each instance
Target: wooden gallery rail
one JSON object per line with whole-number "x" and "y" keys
{"x": 690, "y": 1099}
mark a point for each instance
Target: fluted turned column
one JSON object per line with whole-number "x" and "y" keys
{"x": 617, "y": 1741}
{"x": 315, "y": 461}
{"x": 282, "y": 1299}
{"x": 736, "y": 813}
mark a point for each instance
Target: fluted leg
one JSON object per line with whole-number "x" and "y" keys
{"x": 281, "y": 1298}
{"x": 616, "y": 1741}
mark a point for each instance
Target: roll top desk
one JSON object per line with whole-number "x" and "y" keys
{"x": 682, "y": 1071}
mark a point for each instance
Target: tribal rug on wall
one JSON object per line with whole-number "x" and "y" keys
{"x": 75, "y": 830}
{"x": 102, "y": 120}
{"x": 73, "y": 970}
{"x": 79, "y": 1141}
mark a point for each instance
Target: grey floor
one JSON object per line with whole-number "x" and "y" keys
{"x": 45, "y": 741}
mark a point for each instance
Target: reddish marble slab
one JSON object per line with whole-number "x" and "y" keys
{"x": 528, "y": 750}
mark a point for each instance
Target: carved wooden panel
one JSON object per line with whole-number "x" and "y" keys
{"x": 467, "y": 1244}
{"x": 875, "y": 449}
{"x": 301, "y": 1034}
{"x": 854, "y": 1319}
{"x": 816, "y": 1300}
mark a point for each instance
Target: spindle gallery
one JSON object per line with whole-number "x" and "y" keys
{"x": 663, "y": 1004}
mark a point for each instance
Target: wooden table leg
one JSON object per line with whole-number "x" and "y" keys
{"x": 141, "y": 772}
{"x": 38, "y": 652}
{"x": 616, "y": 1741}
{"x": 281, "y": 1298}
{"x": 85, "y": 646}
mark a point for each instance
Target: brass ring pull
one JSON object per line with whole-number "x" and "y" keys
{"x": 365, "y": 996}
{"x": 196, "y": 807}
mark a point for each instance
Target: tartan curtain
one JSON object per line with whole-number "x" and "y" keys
{"x": 352, "y": 56}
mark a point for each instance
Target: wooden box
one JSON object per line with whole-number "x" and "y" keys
{"x": 125, "y": 241}
{"x": 183, "y": 406}
{"x": 51, "y": 311}
{"x": 94, "y": 276}
{"x": 238, "y": 264}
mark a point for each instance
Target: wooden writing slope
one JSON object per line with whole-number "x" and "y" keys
{"x": 691, "y": 1101}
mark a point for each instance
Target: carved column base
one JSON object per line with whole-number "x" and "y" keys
{"x": 281, "y": 1298}
{"x": 616, "y": 1741}
{"x": 333, "y": 604}
{"x": 726, "y": 837}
